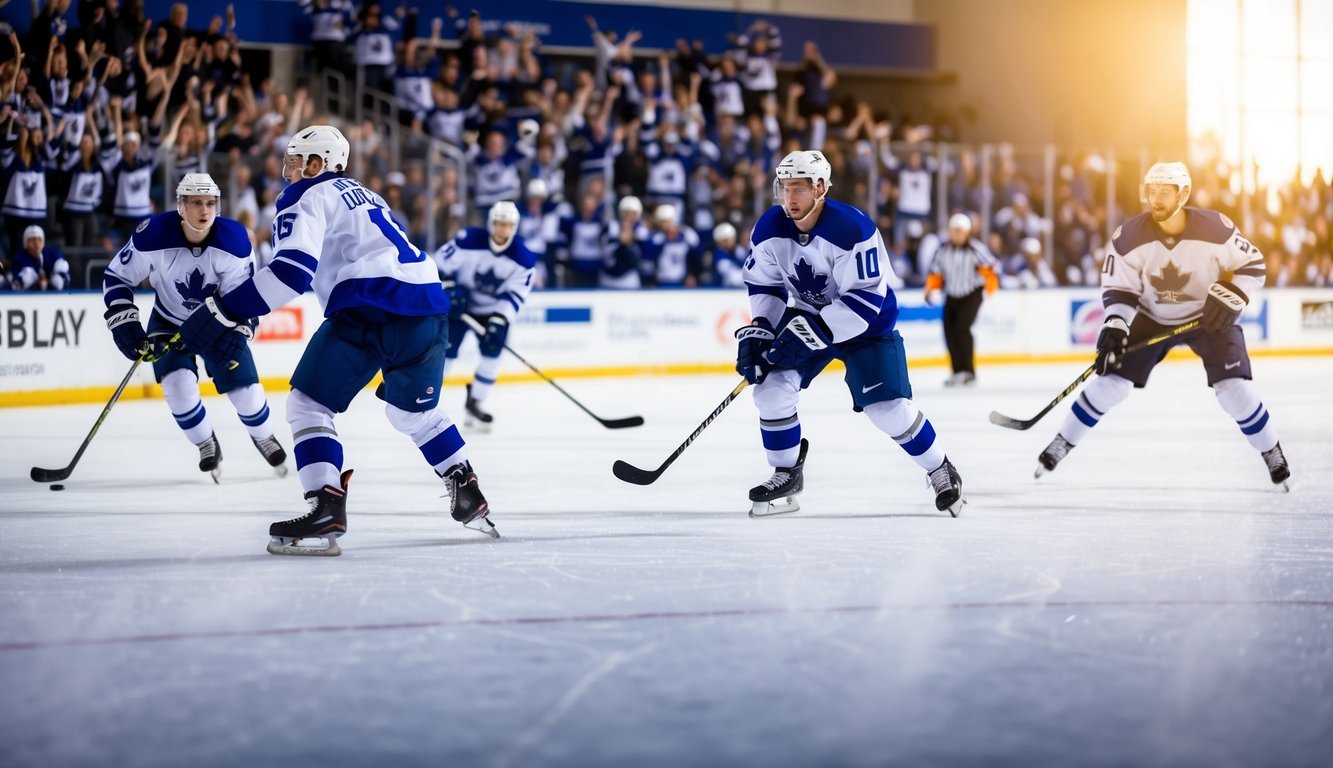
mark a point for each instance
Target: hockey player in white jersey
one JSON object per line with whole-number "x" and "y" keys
{"x": 488, "y": 274}
{"x": 1166, "y": 267}
{"x": 824, "y": 258}
{"x": 384, "y": 311}
{"x": 187, "y": 255}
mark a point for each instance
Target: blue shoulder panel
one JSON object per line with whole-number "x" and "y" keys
{"x": 230, "y": 236}
{"x": 1135, "y": 232}
{"x": 289, "y": 196}
{"x": 843, "y": 225}
{"x": 473, "y": 239}
{"x": 159, "y": 233}
{"x": 1208, "y": 226}
{"x": 518, "y": 251}
{"x": 774, "y": 223}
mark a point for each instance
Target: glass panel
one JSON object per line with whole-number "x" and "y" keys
{"x": 1270, "y": 137}
{"x": 1317, "y": 144}
{"x": 1316, "y": 28}
{"x": 1317, "y": 85}
{"x": 1269, "y": 28}
{"x": 1270, "y": 83}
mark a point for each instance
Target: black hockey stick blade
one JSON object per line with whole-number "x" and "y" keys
{"x": 631, "y": 474}
{"x": 1008, "y": 422}
{"x": 628, "y": 421}
{"x": 41, "y": 475}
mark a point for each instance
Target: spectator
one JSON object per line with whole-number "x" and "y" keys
{"x": 372, "y": 43}
{"x": 331, "y": 20}
{"x": 626, "y": 238}
{"x": 579, "y": 260}
{"x": 673, "y": 259}
{"x": 727, "y": 258}
{"x": 38, "y": 267}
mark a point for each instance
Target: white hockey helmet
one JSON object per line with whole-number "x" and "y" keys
{"x": 323, "y": 140}
{"x": 960, "y": 221}
{"x": 537, "y": 188}
{"x": 1165, "y": 173}
{"x": 666, "y": 214}
{"x": 804, "y": 164}
{"x": 724, "y": 232}
{"x": 197, "y": 184}
{"x": 630, "y": 204}
{"x": 503, "y": 212}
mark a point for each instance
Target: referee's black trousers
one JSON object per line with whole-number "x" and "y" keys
{"x": 959, "y": 315}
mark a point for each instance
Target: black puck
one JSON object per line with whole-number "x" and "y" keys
{"x": 57, "y": 487}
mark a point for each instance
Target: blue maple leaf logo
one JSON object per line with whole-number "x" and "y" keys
{"x": 809, "y": 286}
{"x": 195, "y": 289}
{"x": 488, "y": 282}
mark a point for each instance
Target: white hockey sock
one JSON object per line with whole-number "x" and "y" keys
{"x": 180, "y": 389}
{"x": 484, "y": 379}
{"x": 1100, "y": 395}
{"x": 252, "y": 409}
{"x": 779, "y": 426}
{"x": 910, "y": 429}
{"x": 315, "y": 445}
{"x": 1240, "y": 400}
{"x": 433, "y": 434}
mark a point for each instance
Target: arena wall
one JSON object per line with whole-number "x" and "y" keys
{"x": 55, "y": 348}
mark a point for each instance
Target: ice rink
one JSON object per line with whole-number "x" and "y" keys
{"x": 1153, "y": 602}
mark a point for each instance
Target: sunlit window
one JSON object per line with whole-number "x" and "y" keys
{"x": 1258, "y": 83}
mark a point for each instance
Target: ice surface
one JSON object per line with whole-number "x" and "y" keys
{"x": 1152, "y": 602}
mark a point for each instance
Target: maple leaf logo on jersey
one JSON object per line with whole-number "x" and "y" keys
{"x": 1169, "y": 284}
{"x": 488, "y": 282}
{"x": 195, "y": 289}
{"x": 809, "y": 285}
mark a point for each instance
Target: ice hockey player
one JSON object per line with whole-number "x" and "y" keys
{"x": 488, "y": 274}
{"x": 187, "y": 255}
{"x": 384, "y": 311}
{"x": 1166, "y": 267}
{"x": 825, "y": 256}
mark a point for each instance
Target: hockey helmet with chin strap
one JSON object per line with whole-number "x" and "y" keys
{"x": 197, "y": 185}
{"x": 803, "y": 164}
{"x": 324, "y": 140}
{"x": 1175, "y": 174}
{"x": 502, "y": 212}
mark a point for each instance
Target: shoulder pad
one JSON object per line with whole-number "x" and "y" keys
{"x": 773, "y": 223}
{"x": 230, "y": 236}
{"x": 1134, "y": 233}
{"x": 159, "y": 233}
{"x": 296, "y": 190}
{"x": 1208, "y": 226}
{"x": 843, "y": 225}
{"x": 472, "y": 239}
{"x": 518, "y": 251}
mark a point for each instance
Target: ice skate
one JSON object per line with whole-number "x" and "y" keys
{"x": 1277, "y": 467}
{"x": 325, "y": 522}
{"x": 1054, "y": 453}
{"x": 777, "y": 494}
{"x": 466, "y": 503}
{"x": 948, "y": 488}
{"x": 272, "y": 452}
{"x": 210, "y": 457}
{"x": 955, "y": 380}
{"x": 474, "y": 417}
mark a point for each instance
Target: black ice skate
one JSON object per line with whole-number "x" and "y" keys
{"x": 466, "y": 503}
{"x": 948, "y": 488}
{"x": 1054, "y": 453}
{"x": 272, "y": 452}
{"x": 210, "y": 457}
{"x": 777, "y": 494}
{"x": 1277, "y": 466}
{"x": 325, "y": 522}
{"x": 474, "y": 417}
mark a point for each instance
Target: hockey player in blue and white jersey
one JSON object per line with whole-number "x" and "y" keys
{"x": 188, "y": 254}
{"x": 488, "y": 274}
{"x": 824, "y": 256}
{"x": 384, "y": 311}
{"x": 1164, "y": 268}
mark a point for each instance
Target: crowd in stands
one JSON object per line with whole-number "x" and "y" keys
{"x": 633, "y": 168}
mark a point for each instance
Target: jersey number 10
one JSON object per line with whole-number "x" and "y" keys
{"x": 869, "y": 266}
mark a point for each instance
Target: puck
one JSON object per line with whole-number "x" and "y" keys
{"x": 57, "y": 487}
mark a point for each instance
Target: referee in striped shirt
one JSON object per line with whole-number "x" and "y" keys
{"x": 962, "y": 271}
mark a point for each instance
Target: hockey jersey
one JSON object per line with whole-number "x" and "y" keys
{"x": 1167, "y": 277}
{"x": 835, "y": 270}
{"x": 28, "y": 270}
{"x": 496, "y": 283}
{"x": 674, "y": 257}
{"x": 339, "y": 238}
{"x": 182, "y": 275}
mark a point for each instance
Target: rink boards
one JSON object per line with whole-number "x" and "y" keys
{"x": 55, "y": 348}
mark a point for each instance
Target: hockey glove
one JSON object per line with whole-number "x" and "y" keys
{"x": 1111, "y": 345}
{"x": 210, "y": 332}
{"x": 753, "y": 341}
{"x": 123, "y": 321}
{"x": 803, "y": 337}
{"x": 160, "y": 343}
{"x": 497, "y": 330}
{"x": 1223, "y": 305}
{"x": 457, "y": 294}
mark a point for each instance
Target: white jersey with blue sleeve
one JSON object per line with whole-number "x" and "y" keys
{"x": 838, "y": 270}
{"x": 182, "y": 275}
{"x": 339, "y": 238}
{"x": 497, "y": 283}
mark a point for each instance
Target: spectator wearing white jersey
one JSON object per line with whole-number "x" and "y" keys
{"x": 961, "y": 273}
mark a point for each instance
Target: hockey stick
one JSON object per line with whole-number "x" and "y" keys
{"x": 1009, "y": 422}
{"x": 632, "y": 474}
{"x": 628, "y": 421}
{"x": 41, "y": 475}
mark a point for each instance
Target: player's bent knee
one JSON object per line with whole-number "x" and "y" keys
{"x": 410, "y": 422}
{"x": 1236, "y": 396}
{"x": 1105, "y": 392}
{"x": 778, "y": 395}
{"x": 303, "y": 410}
{"x": 893, "y": 416}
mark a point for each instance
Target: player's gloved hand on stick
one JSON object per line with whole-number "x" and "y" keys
{"x": 802, "y": 337}
{"x": 1222, "y": 306}
{"x": 160, "y": 343}
{"x": 497, "y": 330}
{"x": 123, "y": 321}
{"x": 457, "y": 297}
{"x": 753, "y": 341}
{"x": 211, "y": 332}
{"x": 1111, "y": 344}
